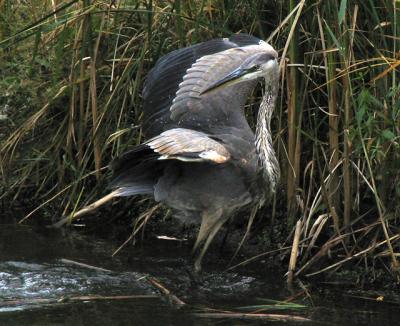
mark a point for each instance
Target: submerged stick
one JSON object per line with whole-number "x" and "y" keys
{"x": 116, "y": 297}
{"x": 235, "y": 315}
{"x": 153, "y": 281}
{"x": 73, "y": 262}
{"x": 173, "y": 299}
{"x": 42, "y": 301}
{"x": 87, "y": 209}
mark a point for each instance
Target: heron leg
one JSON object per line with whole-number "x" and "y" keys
{"x": 210, "y": 224}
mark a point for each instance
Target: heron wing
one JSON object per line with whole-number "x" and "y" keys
{"x": 137, "y": 171}
{"x": 163, "y": 80}
{"x": 191, "y": 108}
{"x": 188, "y": 146}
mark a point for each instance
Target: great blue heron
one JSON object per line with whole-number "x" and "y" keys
{"x": 202, "y": 159}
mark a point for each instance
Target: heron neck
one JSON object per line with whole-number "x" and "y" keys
{"x": 266, "y": 155}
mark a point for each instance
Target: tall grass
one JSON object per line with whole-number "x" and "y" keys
{"x": 70, "y": 99}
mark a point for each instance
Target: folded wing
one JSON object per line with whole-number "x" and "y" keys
{"x": 188, "y": 146}
{"x": 137, "y": 171}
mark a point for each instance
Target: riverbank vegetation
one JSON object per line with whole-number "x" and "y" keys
{"x": 70, "y": 99}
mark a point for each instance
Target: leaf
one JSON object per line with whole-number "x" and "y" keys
{"x": 334, "y": 39}
{"x": 342, "y": 11}
{"x": 360, "y": 113}
{"x": 388, "y": 134}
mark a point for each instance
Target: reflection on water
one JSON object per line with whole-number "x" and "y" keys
{"x": 33, "y": 276}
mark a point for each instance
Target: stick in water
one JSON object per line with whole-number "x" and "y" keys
{"x": 87, "y": 209}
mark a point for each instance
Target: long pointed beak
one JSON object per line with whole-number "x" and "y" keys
{"x": 236, "y": 76}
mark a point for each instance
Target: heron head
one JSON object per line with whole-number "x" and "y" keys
{"x": 259, "y": 65}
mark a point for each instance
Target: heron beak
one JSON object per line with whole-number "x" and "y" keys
{"x": 238, "y": 75}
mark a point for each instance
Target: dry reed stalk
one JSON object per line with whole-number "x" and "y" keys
{"x": 358, "y": 254}
{"x": 325, "y": 185}
{"x": 62, "y": 191}
{"x": 139, "y": 225}
{"x": 84, "y": 54}
{"x": 315, "y": 232}
{"x": 328, "y": 246}
{"x": 9, "y": 146}
{"x": 93, "y": 93}
{"x": 330, "y": 59}
{"x": 379, "y": 205}
{"x": 321, "y": 253}
{"x": 333, "y": 241}
{"x": 347, "y": 146}
{"x": 254, "y": 258}
{"x": 294, "y": 253}
{"x": 71, "y": 133}
{"x": 396, "y": 47}
{"x": 294, "y": 111}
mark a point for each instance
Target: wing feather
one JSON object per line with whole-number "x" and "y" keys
{"x": 188, "y": 103}
{"x": 188, "y": 145}
{"x": 163, "y": 81}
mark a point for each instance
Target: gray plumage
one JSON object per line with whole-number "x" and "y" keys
{"x": 202, "y": 158}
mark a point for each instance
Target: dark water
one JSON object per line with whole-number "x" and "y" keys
{"x": 35, "y": 274}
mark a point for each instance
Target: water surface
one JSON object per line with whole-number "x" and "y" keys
{"x": 37, "y": 280}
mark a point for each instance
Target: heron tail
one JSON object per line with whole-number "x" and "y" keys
{"x": 135, "y": 172}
